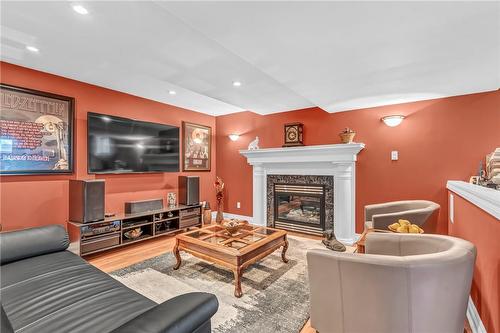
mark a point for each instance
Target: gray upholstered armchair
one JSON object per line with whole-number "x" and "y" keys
{"x": 379, "y": 216}
{"x": 404, "y": 283}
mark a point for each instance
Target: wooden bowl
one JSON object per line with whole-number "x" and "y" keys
{"x": 133, "y": 234}
{"x": 232, "y": 226}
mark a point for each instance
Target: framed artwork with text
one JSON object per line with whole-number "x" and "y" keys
{"x": 196, "y": 147}
{"x": 36, "y": 132}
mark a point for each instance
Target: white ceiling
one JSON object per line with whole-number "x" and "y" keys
{"x": 288, "y": 55}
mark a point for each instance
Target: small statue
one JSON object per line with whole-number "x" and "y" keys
{"x": 254, "y": 145}
{"x": 331, "y": 242}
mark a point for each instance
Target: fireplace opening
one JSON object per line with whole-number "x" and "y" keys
{"x": 299, "y": 207}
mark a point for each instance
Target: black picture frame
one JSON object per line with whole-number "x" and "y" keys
{"x": 70, "y": 129}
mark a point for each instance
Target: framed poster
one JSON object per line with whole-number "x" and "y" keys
{"x": 36, "y": 132}
{"x": 196, "y": 147}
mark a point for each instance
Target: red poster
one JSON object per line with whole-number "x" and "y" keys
{"x": 35, "y": 132}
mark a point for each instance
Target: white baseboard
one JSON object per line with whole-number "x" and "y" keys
{"x": 233, "y": 216}
{"x": 475, "y": 322}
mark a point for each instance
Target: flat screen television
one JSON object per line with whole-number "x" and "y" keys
{"x": 121, "y": 145}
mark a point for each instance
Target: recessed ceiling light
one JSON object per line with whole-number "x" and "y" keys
{"x": 172, "y": 92}
{"x": 237, "y": 83}
{"x": 80, "y": 9}
{"x": 32, "y": 49}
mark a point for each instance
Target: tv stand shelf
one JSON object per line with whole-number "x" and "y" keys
{"x": 89, "y": 238}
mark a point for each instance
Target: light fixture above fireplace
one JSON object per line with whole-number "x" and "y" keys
{"x": 393, "y": 121}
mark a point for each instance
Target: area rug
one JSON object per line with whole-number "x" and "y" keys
{"x": 275, "y": 295}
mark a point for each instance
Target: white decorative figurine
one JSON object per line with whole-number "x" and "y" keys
{"x": 254, "y": 144}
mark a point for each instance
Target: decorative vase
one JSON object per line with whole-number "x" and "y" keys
{"x": 220, "y": 209}
{"x": 219, "y": 195}
{"x": 207, "y": 214}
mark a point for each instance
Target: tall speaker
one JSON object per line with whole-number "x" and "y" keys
{"x": 189, "y": 190}
{"x": 86, "y": 200}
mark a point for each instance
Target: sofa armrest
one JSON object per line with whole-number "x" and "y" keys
{"x": 5, "y": 325}
{"x": 21, "y": 244}
{"x": 383, "y": 243}
{"x": 182, "y": 314}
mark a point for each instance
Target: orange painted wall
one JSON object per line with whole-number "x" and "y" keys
{"x": 440, "y": 139}
{"x": 482, "y": 229}
{"x": 39, "y": 200}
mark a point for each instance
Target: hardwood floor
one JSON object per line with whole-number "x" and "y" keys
{"x": 128, "y": 255}
{"x": 307, "y": 328}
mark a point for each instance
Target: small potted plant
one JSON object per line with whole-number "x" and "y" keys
{"x": 347, "y": 135}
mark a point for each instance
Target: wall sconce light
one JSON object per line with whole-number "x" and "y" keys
{"x": 234, "y": 137}
{"x": 393, "y": 121}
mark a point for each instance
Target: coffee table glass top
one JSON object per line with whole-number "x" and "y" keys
{"x": 247, "y": 235}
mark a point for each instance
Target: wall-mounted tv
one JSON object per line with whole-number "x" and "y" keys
{"x": 122, "y": 145}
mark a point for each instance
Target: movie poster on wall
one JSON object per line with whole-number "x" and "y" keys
{"x": 196, "y": 147}
{"x": 36, "y": 132}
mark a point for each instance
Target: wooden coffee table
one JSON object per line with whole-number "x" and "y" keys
{"x": 212, "y": 244}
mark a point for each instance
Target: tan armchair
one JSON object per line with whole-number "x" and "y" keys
{"x": 379, "y": 216}
{"x": 404, "y": 283}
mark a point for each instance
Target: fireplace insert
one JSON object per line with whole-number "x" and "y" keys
{"x": 299, "y": 207}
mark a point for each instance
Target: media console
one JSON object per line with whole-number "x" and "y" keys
{"x": 89, "y": 238}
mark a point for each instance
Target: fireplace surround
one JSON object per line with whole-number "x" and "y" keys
{"x": 301, "y": 203}
{"x": 337, "y": 160}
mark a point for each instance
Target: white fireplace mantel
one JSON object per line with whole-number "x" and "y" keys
{"x": 337, "y": 160}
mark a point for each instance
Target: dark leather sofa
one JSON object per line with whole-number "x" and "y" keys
{"x": 45, "y": 288}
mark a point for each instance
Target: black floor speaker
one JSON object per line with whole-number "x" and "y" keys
{"x": 189, "y": 190}
{"x": 86, "y": 200}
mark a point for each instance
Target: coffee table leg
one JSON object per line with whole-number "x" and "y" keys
{"x": 285, "y": 247}
{"x": 237, "y": 282}
{"x": 177, "y": 255}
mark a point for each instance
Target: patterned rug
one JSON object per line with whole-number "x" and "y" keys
{"x": 275, "y": 294}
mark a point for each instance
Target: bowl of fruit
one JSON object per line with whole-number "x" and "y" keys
{"x": 405, "y": 227}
